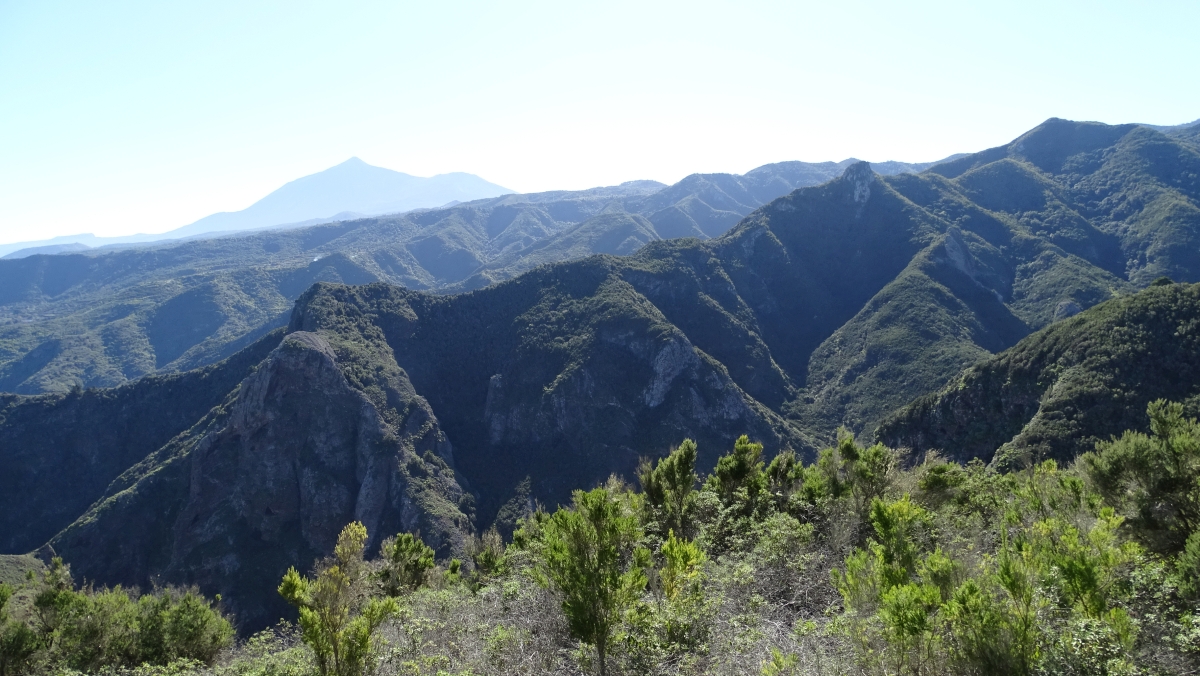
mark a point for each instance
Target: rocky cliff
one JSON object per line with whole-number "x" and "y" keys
{"x": 59, "y": 452}
{"x": 268, "y": 480}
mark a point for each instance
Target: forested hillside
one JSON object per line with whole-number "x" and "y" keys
{"x": 1058, "y": 392}
{"x": 102, "y": 318}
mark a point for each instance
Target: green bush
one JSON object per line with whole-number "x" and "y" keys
{"x": 1155, "y": 478}
{"x": 406, "y": 561}
{"x": 590, "y": 557}
{"x": 337, "y": 620}
{"x": 90, "y": 630}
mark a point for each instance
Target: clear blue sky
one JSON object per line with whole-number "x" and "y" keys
{"x": 120, "y": 117}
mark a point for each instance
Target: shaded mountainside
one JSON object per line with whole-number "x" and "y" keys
{"x": 566, "y": 374}
{"x": 101, "y": 318}
{"x": 833, "y": 305}
{"x": 60, "y": 451}
{"x": 1059, "y": 391}
{"x": 315, "y": 437}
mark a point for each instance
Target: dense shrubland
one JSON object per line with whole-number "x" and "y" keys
{"x": 851, "y": 564}
{"x": 50, "y": 625}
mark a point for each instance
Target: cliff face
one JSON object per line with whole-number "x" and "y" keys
{"x": 831, "y": 306}
{"x": 564, "y": 384}
{"x": 269, "y": 482}
{"x": 58, "y": 453}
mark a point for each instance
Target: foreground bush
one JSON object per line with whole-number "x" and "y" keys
{"x": 849, "y": 564}
{"x": 90, "y": 630}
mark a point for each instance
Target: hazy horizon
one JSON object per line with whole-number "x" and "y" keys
{"x": 143, "y": 118}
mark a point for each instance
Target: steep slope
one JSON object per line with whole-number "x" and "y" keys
{"x": 829, "y": 306}
{"x": 101, "y": 319}
{"x": 565, "y": 374}
{"x": 320, "y": 434}
{"x": 59, "y": 452}
{"x": 107, "y": 319}
{"x": 1124, "y": 196}
{"x": 707, "y": 205}
{"x": 569, "y": 372}
{"x": 931, "y": 320}
{"x": 835, "y": 304}
{"x": 1189, "y": 135}
{"x": 1066, "y": 216}
{"x": 1057, "y": 392}
{"x": 617, "y": 233}
{"x": 906, "y": 278}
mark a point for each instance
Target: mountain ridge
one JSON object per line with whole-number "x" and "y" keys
{"x": 90, "y": 318}
{"x": 1056, "y": 393}
{"x": 831, "y": 306}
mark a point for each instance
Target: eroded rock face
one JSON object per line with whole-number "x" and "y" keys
{"x": 299, "y": 453}
{"x": 303, "y": 454}
{"x": 858, "y": 178}
{"x": 300, "y": 446}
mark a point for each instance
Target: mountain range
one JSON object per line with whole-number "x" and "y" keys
{"x": 348, "y": 190}
{"x": 98, "y": 319}
{"x": 989, "y": 302}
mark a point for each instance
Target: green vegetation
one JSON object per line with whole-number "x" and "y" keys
{"x": 452, "y": 415}
{"x": 337, "y": 622}
{"x": 55, "y": 627}
{"x": 102, "y": 318}
{"x": 1061, "y": 390}
{"x": 14, "y": 568}
{"x": 850, "y": 564}
{"x": 669, "y": 487}
{"x": 588, "y": 555}
{"x": 407, "y": 560}
{"x": 1157, "y": 476}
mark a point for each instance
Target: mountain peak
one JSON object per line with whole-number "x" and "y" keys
{"x": 352, "y": 186}
{"x": 859, "y": 176}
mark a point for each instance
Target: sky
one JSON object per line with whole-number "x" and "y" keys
{"x": 126, "y": 117}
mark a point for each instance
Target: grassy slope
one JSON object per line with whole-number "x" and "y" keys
{"x": 13, "y": 567}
